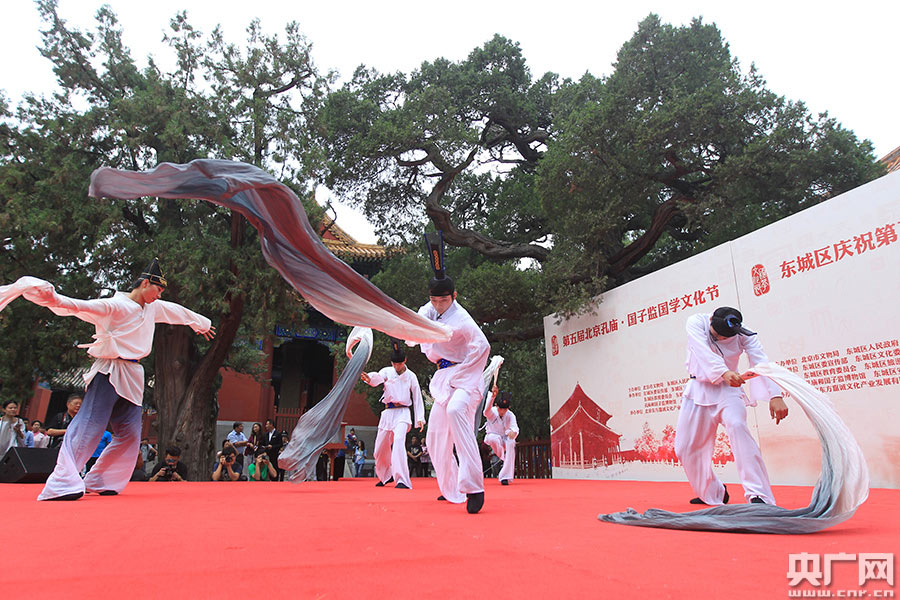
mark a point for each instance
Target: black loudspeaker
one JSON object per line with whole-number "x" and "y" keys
{"x": 28, "y": 465}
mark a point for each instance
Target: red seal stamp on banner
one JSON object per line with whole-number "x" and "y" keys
{"x": 760, "y": 280}
{"x": 554, "y": 345}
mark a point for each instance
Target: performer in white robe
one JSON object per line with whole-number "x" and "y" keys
{"x": 115, "y": 383}
{"x": 501, "y": 432}
{"x": 456, "y": 387}
{"x": 712, "y": 396}
{"x": 401, "y": 390}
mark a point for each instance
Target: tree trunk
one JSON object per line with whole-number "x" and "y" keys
{"x": 185, "y": 390}
{"x": 179, "y": 422}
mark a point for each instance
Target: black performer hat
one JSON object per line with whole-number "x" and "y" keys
{"x": 153, "y": 274}
{"x": 397, "y": 353}
{"x": 440, "y": 284}
{"x": 503, "y": 399}
{"x": 726, "y": 321}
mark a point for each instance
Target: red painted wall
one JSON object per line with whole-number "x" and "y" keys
{"x": 242, "y": 398}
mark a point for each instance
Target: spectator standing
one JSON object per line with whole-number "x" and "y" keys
{"x": 340, "y": 460}
{"x": 105, "y": 440}
{"x": 56, "y": 428}
{"x": 414, "y": 453}
{"x": 170, "y": 469}
{"x": 254, "y": 442}
{"x": 273, "y": 443}
{"x": 239, "y": 441}
{"x": 322, "y": 467}
{"x": 34, "y": 437}
{"x": 148, "y": 454}
{"x": 359, "y": 457}
{"x": 284, "y": 443}
{"x": 12, "y": 428}
{"x": 351, "y": 441}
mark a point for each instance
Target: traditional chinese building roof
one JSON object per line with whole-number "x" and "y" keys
{"x": 580, "y": 413}
{"x": 892, "y": 160}
{"x": 578, "y": 400}
{"x": 73, "y": 379}
{"x": 342, "y": 244}
{"x": 579, "y": 434}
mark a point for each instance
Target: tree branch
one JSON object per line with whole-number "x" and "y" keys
{"x": 454, "y": 236}
{"x": 136, "y": 220}
{"x": 521, "y": 142}
{"x": 634, "y": 251}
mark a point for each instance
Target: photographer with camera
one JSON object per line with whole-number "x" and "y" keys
{"x": 170, "y": 469}
{"x": 261, "y": 469}
{"x": 226, "y": 469}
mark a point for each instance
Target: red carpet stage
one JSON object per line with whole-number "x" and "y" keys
{"x": 349, "y": 539}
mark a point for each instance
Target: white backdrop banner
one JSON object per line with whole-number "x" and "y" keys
{"x": 822, "y": 288}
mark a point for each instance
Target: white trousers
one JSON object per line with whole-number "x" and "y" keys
{"x": 113, "y": 470}
{"x": 390, "y": 454}
{"x": 505, "y": 449}
{"x": 453, "y": 424}
{"x": 695, "y": 441}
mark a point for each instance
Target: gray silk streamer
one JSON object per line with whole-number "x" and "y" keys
{"x": 320, "y": 424}
{"x": 289, "y": 243}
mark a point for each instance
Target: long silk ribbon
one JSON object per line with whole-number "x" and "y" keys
{"x": 289, "y": 243}
{"x": 842, "y": 487}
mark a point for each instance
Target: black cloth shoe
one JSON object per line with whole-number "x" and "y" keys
{"x": 401, "y": 486}
{"x": 380, "y": 484}
{"x": 74, "y": 496}
{"x": 441, "y": 498}
{"x": 474, "y": 502}
{"x": 757, "y": 500}
{"x": 109, "y": 493}
{"x": 504, "y": 482}
{"x": 725, "y": 498}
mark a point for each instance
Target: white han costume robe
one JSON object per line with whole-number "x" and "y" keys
{"x": 497, "y": 436}
{"x": 457, "y": 391}
{"x": 115, "y": 382}
{"x": 400, "y": 392}
{"x": 708, "y": 401}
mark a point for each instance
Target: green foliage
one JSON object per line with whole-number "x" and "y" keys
{"x": 677, "y": 151}
{"x": 254, "y": 104}
{"x": 389, "y": 137}
{"x": 554, "y": 190}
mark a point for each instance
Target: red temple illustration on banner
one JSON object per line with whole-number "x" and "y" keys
{"x": 579, "y": 436}
{"x": 581, "y": 439}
